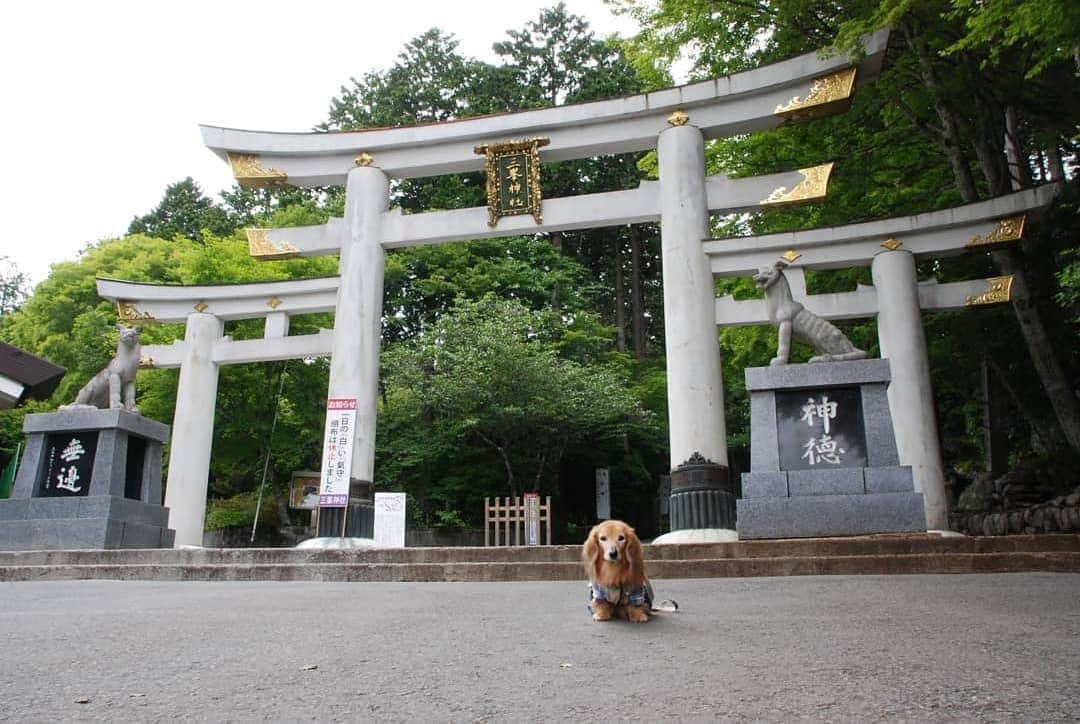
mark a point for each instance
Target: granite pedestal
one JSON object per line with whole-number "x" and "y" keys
{"x": 823, "y": 458}
{"x": 89, "y": 478}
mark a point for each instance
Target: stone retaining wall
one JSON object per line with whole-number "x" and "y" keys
{"x": 1060, "y": 515}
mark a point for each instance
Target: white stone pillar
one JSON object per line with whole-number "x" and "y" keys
{"x": 193, "y": 430}
{"x": 695, "y": 388}
{"x": 354, "y": 363}
{"x": 702, "y": 504}
{"x": 911, "y": 399}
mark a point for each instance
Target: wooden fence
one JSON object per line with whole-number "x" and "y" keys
{"x": 509, "y": 519}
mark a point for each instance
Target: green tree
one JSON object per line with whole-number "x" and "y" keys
{"x": 14, "y": 286}
{"x": 557, "y": 59}
{"x": 430, "y": 82}
{"x": 184, "y": 211}
{"x": 490, "y": 372}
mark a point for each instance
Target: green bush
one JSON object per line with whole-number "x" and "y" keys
{"x": 239, "y": 511}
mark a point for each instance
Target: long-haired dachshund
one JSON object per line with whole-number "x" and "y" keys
{"x": 614, "y": 564}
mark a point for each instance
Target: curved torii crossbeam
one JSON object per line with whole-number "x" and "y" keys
{"x": 800, "y": 88}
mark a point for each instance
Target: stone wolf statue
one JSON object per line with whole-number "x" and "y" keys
{"x": 114, "y": 386}
{"x": 791, "y": 318}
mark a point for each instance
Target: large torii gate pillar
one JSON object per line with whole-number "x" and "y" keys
{"x": 701, "y": 493}
{"x": 911, "y": 398}
{"x": 354, "y": 361}
{"x": 193, "y": 426}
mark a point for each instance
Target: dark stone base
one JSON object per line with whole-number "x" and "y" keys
{"x": 703, "y": 508}
{"x": 701, "y": 496}
{"x": 830, "y": 502}
{"x": 118, "y": 504}
{"x": 360, "y": 522}
{"x": 96, "y": 522}
{"x": 817, "y": 516}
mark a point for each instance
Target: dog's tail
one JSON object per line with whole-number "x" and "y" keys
{"x": 666, "y": 606}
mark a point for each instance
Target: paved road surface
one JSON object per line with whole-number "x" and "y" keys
{"x": 844, "y": 648}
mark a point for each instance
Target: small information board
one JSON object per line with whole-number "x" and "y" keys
{"x": 304, "y": 490}
{"x": 532, "y": 519}
{"x": 337, "y": 452}
{"x": 603, "y": 494}
{"x": 390, "y": 520}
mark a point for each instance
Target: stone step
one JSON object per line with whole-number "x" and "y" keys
{"x": 893, "y": 544}
{"x": 1057, "y": 562}
{"x": 884, "y": 554}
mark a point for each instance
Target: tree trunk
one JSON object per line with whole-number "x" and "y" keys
{"x": 1041, "y": 349}
{"x": 557, "y": 242}
{"x": 989, "y": 142}
{"x": 637, "y": 310}
{"x": 1055, "y": 169}
{"x": 995, "y": 439}
{"x": 620, "y": 299}
{"x": 995, "y": 171}
{"x": 1039, "y": 430}
{"x": 511, "y": 484}
{"x": 949, "y": 142}
{"x": 539, "y": 473}
{"x": 1019, "y": 172}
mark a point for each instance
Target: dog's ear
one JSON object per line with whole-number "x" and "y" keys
{"x": 635, "y": 557}
{"x": 590, "y": 553}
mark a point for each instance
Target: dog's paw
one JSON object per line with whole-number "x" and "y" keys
{"x": 601, "y": 616}
{"x": 636, "y": 615}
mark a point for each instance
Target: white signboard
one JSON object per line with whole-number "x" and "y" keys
{"x": 390, "y": 520}
{"x": 337, "y": 452}
{"x": 532, "y": 519}
{"x": 603, "y": 494}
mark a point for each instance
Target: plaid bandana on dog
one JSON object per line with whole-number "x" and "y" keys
{"x": 640, "y": 596}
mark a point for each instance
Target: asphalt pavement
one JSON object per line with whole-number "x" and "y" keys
{"x": 994, "y": 648}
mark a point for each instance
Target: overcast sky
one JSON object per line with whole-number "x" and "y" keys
{"x": 102, "y": 99}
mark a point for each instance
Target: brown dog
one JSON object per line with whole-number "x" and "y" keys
{"x": 614, "y": 564}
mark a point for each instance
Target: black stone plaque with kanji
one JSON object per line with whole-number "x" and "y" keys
{"x": 67, "y": 464}
{"x": 820, "y": 429}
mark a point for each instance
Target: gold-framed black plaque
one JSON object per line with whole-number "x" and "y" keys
{"x": 513, "y": 178}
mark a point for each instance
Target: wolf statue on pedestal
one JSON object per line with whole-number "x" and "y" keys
{"x": 114, "y": 386}
{"x": 791, "y": 318}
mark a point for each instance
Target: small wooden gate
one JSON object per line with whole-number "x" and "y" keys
{"x": 508, "y": 519}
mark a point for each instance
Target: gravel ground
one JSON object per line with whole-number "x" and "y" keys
{"x": 996, "y": 648}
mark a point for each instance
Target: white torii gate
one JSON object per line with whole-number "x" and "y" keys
{"x": 204, "y": 310}
{"x": 675, "y": 121}
{"x": 890, "y": 247}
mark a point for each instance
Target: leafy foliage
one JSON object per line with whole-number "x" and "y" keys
{"x": 239, "y": 511}
{"x": 489, "y": 374}
{"x": 184, "y": 211}
{"x": 14, "y": 286}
